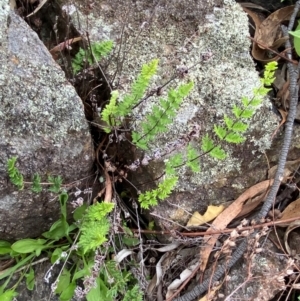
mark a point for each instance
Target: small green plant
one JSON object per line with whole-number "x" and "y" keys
{"x": 83, "y": 241}
{"x": 97, "y": 51}
{"x": 231, "y": 132}
{"x": 14, "y": 174}
{"x": 114, "y": 111}
{"x": 161, "y": 116}
{"x": 95, "y": 226}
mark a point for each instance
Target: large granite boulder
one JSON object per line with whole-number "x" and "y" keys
{"x": 210, "y": 40}
{"x": 42, "y": 123}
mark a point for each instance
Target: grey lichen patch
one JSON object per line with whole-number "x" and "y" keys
{"x": 42, "y": 123}
{"x": 48, "y": 106}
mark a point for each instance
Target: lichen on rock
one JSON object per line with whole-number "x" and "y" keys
{"x": 42, "y": 123}
{"x": 211, "y": 41}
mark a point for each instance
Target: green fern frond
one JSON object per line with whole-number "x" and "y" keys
{"x": 133, "y": 294}
{"x": 110, "y": 112}
{"x": 234, "y": 138}
{"x": 218, "y": 153}
{"x": 192, "y": 161}
{"x": 95, "y": 226}
{"x": 237, "y": 111}
{"x": 245, "y": 101}
{"x": 36, "y": 184}
{"x": 56, "y": 183}
{"x": 98, "y": 50}
{"x": 93, "y": 234}
{"x": 151, "y": 197}
{"x": 172, "y": 163}
{"x": 207, "y": 144}
{"x": 14, "y": 174}
{"x": 239, "y": 126}
{"x": 256, "y": 101}
{"x": 138, "y": 88}
{"x": 220, "y": 131}
{"x": 160, "y": 117}
{"x": 99, "y": 210}
{"x": 228, "y": 121}
{"x": 247, "y": 113}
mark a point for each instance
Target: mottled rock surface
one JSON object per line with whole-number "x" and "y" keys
{"x": 180, "y": 34}
{"x": 41, "y": 122}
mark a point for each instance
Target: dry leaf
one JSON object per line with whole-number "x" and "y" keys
{"x": 291, "y": 211}
{"x": 268, "y": 32}
{"x": 168, "y": 247}
{"x": 122, "y": 254}
{"x": 177, "y": 282}
{"x": 227, "y": 216}
{"x": 292, "y": 238}
{"x": 252, "y": 204}
{"x": 212, "y": 212}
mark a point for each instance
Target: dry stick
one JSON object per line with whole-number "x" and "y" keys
{"x": 223, "y": 231}
{"x": 274, "y": 51}
{"x": 293, "y": 72}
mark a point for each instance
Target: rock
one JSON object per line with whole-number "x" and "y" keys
{"x": 211, "y": 40}
{"x": 258, "y": 277}
{"x": 42, "y": 123}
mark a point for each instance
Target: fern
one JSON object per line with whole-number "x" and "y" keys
{"x": 233, "y": 129}
{"x": 97, "y": 51}
{"x": 55, "y": 183}
{"x": 36, "y": 184}
{"x": 231, "y": 132}
{"x": 161, "y": 116}
{"x": 95, "y": 226}
{"x": 191, "y": 162}
{"x": 113, "y": 112}
{"x": 172, "y": 163}
{"x": 151, "y": 197}
{"x": 138, "y": 89}
{"x": 14, "y": 174}
{"x": 133, "y": 294}
{"x": 110, "y": 112}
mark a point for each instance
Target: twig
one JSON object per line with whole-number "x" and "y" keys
{"x": 274, "y": 51}
{"x": 224, "y": 231}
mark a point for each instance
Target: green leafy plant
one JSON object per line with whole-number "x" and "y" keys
{"x": 95, "y": 226}
{"x": 90, "y": 227}
{"x": 113, "y": 113}
{"x": 36, "y": 183}
{"x": 97, "y": 51}
{"x": 161, "y": 116}
{"x": 231, "y": 132}
{"x": 14, "y": 174}
{"x": 296, "y": 35}
{"x": 55, "y": 183}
